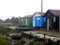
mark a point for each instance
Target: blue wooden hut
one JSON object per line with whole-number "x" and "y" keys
{"x": 38, "y": 20}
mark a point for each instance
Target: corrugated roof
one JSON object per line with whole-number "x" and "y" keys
{"x": 40, "y": 13}
{"x": 56, "y": 12}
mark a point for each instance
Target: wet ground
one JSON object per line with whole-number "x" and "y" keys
{"x": 53, "y": 35}
{"x": 17, "y": 42}
{"x": 51, "y": 32}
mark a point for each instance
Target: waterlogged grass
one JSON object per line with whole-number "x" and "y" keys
{"x": 4, "y": 30}
{"x": 4, "y": 41}
{"x": 37, "y": 43}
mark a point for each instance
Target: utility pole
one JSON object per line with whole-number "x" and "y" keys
{"x": 41, "y": 6}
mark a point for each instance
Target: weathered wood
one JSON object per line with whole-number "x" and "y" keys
{"x": 47, "y": 24}
{"x": 26, "y": 21}
{"x": 59, "y": 23}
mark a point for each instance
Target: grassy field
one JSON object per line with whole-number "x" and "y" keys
{"x": 5, "y": 31}
{"x": 4, "y": 41}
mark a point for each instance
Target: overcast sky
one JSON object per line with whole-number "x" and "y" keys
{"x": 16, "y": 8}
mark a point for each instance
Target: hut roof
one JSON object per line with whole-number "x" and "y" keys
{"x": 40, "y": 13}
{"x": 19, "y": 17}
{"x": 27, "y": 16}
{"x": 55, "y": 12}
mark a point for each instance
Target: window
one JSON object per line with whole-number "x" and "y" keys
{"x": 54, "y": 19}
{"x": 37, "y": 18}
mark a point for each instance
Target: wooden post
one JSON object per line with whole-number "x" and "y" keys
{"x": 59, "y": 23}
{"x": 26, "y": 21}
{"x": 44, "y": 36}
{"x": 54, "y": 19}
{"x": 47, "y": 24}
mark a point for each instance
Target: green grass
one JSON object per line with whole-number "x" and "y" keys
{"x": 4, "y": 41}
{"x": 37, "y": 43}
{"x": 4, "y": 30}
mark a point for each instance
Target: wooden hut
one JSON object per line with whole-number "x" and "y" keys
{"x": 38, "y": 20}
{"x": 52, "y": 19}
{"x": 26, "y": 20}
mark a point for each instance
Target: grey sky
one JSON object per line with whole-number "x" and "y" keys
{"x": 9, "y": 8}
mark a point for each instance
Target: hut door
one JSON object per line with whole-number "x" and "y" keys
{"x": 56, "y": 23}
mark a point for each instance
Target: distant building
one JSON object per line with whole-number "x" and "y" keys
{"x": 52, "y": 19}
{"x": 1, "y": 21}
{"x": 19, "y": 18}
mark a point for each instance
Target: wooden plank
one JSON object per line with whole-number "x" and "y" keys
{"x": 59, "y": 23}
{"x": 47, "y": 24}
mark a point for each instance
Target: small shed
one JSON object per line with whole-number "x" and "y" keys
{"x": 26, "y": 20}
{"x": 52, "y": 19}
{"x": 38, "y": 19}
